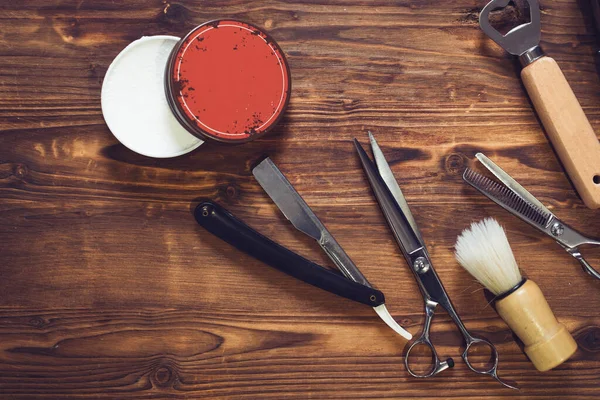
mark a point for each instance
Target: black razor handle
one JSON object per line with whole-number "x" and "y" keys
{"x": 225, "y": 226}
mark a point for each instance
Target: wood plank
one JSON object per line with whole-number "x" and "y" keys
{"x": 110, "y": 289}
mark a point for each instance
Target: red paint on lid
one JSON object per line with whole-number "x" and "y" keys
{"x": 229, "y": 81}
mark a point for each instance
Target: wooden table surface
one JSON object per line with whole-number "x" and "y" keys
{"x": 110, "y": 289}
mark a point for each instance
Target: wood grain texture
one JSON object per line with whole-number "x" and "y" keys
{"x": 109, "y": 289}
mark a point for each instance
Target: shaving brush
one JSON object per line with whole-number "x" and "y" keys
{"x": 483, "y": 250}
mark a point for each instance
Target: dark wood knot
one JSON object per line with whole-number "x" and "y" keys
{"x": 97, "y": 72}
{"x": 349, "y": 104}
{"x": 73, "y": 28}
{"x": 175, "y": 13}
{"x": 455, "y": 163}
{"x": 37, "y": 322}
{"x": 231, "y": 192}
{"x": 163, "y": 376}
{"x": 404, "y": 321}
{"x": 588, "y": 339}
{"x": 20, "y": 171}
{"x": 471, "y": 17}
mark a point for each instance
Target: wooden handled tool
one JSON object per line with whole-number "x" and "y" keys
{"x": 562, "y": 116}
{"x": 483, "y": 250}
{"x": 566, "y": 125}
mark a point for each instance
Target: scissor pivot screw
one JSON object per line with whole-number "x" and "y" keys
{"x": 557, "y": 229}
{"x": 421, "y": 265}
{"x": 372, "y": 298}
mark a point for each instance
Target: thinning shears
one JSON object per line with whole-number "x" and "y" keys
{"x": 407, "y": 234}
{"x": 514, "y": 198}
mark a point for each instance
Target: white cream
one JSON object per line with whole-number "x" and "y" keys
{"x": 134, "y": 103}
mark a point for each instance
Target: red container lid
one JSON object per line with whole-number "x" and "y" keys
{"x": 228, "y": 81}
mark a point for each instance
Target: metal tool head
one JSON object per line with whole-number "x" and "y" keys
{"x": 509, "y": 194}
{"x": 295, "y": 209}
{"x": 510, "y": 183}
{"x": 521, "y": 38}
{"x": 388, "y": 177}
{"x": 397, "y": 218}
{"x": 508, "y": 199}
{"x": 304, "y": 219}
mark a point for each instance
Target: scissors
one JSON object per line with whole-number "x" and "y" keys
{"x": 514, "y": 198}
{"x": 407, "y": 234}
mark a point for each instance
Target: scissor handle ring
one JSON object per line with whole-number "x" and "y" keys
{"x": 492, "y": 371}
{"x": 465, "y": 356}
{"x": 588, "y": 268}
{"x": 437, "y": 365}
{"x": 584, "y": 264}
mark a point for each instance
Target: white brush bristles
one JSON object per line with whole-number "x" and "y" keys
{"x": 483, "y": 250}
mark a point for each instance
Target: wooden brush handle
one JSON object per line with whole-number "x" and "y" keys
{"x": 567, "y": 126}
{"x": 547, "y": 342}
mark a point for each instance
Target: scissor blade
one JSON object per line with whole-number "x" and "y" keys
{"x": 388, "y": 177}
{"x": 406, "y": 237}
{"x": 283, "y": 194}
{"x": 385, "y": 315}
{"x": 509, "y": 200}
{"x": 510, "y": 182}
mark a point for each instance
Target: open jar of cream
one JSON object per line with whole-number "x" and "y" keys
{"x": 226, "y": 81}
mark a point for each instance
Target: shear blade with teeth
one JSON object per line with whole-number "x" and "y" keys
{"x": 514, "y": 198}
